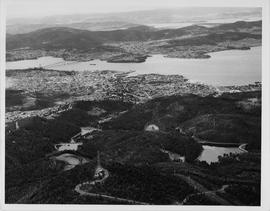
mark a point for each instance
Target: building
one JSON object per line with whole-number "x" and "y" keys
{"x": 174, "y": 156}
{"x": 17, "y": 125}
{"x": 68, "y": 146}
{"x": 152, "y": 128}
{"x": 100, "y": 173}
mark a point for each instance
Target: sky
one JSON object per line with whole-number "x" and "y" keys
{"x": 42, "y": 8}
{"x": 39, "y": 8}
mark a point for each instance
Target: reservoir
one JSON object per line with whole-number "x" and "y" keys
{"x": 231, "y": 67}
{"x": 210, "y": 153}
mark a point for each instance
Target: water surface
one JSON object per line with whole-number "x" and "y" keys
{"x": 211, "y": 153}
{"x": 231, "y": 67}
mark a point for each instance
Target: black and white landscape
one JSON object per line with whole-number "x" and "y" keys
{"x": 158, "y": 106}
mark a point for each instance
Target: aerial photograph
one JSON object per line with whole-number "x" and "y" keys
{"x": 129, "y": 103}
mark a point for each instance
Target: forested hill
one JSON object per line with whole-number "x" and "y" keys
{"x": 70, "y": 38}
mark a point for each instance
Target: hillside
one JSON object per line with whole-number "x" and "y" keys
{"x": 83, "y": 25}
{"x": 239, "y": 25}
{"x": 138, "y": 167}
{"x": 223, "y": 119}
{"x": 70, "y": 38}
{"x": 54, "y": 38}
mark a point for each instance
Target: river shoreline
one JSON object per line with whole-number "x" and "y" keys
{"x": 122, "y": 58}
{"x": 228, "y": 63}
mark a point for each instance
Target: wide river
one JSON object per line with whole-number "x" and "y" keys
{"x": 231, "y": 67}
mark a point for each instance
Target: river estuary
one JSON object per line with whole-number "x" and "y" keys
{"x": 231, "y": 67}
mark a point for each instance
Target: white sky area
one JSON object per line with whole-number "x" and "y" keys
{"x": 42, "y": 8}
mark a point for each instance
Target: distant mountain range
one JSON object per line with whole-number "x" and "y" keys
{"x": 161, "y": 18}
{"x": 69, "y": 38}
{"x": 96, "y": 26}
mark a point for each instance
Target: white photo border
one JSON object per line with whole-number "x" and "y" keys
{"x": 265, "y": 158}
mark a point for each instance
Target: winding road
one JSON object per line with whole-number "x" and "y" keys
{"x": 113, "y": 198}
{"x": 79, "y": 190}
{"x": 211, "y": 195}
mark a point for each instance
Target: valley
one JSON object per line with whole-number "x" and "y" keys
{"x": 126, "y": 150}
